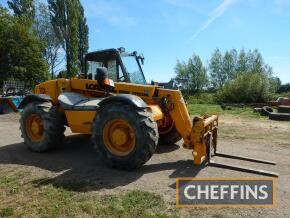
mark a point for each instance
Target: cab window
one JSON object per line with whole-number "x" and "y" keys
{"x": 121, "y": 75}
{"x": 92, "y": 69}
{"x": 112, "y": 70}
{"x": 115, "y": 72}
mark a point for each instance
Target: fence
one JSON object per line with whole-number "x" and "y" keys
{"x": 18, "y": 85}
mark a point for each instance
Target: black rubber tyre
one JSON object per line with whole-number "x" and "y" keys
{"x": 284, "y": 109}
{"x": 266, "y": 110}
{"x": 53, "y": 126}
{"x": 169, "y": 138}
{"x": 279, "y": 116}
{"x": 145, "y": 131}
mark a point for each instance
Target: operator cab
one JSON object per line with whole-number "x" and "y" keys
{"x": 122, "y": 66}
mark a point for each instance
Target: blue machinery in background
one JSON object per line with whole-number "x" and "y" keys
{"x": 9, "y": 104}
{"x": 13, "y": 92}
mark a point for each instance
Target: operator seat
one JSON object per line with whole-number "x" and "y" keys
{"x": 79, "y": 102}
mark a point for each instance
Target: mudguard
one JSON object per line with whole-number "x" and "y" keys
{"x": 32, "y": 98}
{"x": 124, "y": 98}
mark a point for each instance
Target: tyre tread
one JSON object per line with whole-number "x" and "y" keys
{"x": 145, "y": 123}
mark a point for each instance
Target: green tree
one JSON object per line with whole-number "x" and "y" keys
{"x": 22, "y": 8}
{"x": 275, "y": 84}
{"x": 65, "y": 20}
{"x": 71, "y": 28}
{"x": 255, "y": 62}
{"x": 44, "y": 30}
{"x": 254, "y": 80}
{"x": 218, "y": 76}
{"x": 242, "y": 63}
{"x": 245, "y": 88}
{"x": 21, "y": 50}
{"x": 83, "y": 38}
{"x": 182, "y": 75}
{"x": 197, "y": 73}
{"x": 284, "y": 88}
{"x": 191, "y": 76}
{"x": 229, "y": 65}
{"x": 234, "y": 55}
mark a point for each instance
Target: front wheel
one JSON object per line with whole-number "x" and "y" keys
{"x": 124, "y": 136}
{"x": 42, "y": 126}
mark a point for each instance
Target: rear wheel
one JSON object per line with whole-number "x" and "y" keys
{"x": 169, "y": 138}
{"x": 168, "y": 134}
{"x": 42, "y": 127}
{"x": 124, "y": 136}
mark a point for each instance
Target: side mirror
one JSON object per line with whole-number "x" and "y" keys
{"x": 103, "y": 79}
{"x": 101, "y": 75}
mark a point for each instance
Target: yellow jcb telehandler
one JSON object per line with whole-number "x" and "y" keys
{"x": 126, "y": 117}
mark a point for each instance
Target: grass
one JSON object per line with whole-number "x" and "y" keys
{"x": 44, "y": 197}
{"x": 251, "y": 124}
{"x": 67, "y": 185}
{"x": 6, "y": 212}
{"x": 48, "y": 197}
{"x": 136, "y": 203}
{"x": 199, "y": 109}
{"x": 11, "y": 183}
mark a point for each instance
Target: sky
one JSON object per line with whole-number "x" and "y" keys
{"x": 169, "y": 30}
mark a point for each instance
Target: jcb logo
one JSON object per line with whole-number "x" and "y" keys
{"x": 92, "y": 86}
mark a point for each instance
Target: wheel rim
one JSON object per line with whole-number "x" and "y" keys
{"x": 34, "y": 127}
{"x": 119, "y": 137}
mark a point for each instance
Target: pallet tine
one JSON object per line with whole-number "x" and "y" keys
{"x": 244, "y": 158}
{"x": 213, "y": 145}
{"x": 243, "y": 169}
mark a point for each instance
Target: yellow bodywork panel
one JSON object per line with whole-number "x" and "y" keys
{"x": 53, "y": 88}
{"x": 156, "y": 112}
{"x": 85, "y": 85}
{"x": 179, "y": 113}
{"x": 80, "y": 121}
{"x": 48, "y": 88}
{"x": 194, "y": 133}
{"x": 140, "y": 90}
{"x": 202, "y": 128}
